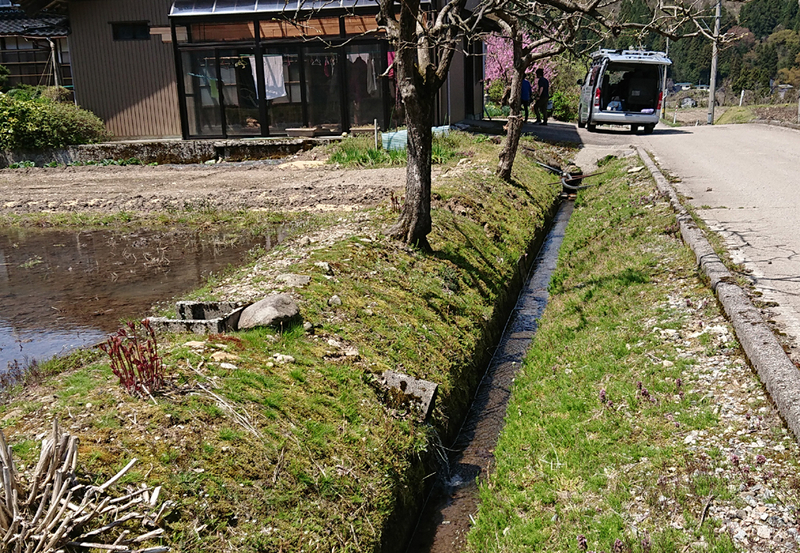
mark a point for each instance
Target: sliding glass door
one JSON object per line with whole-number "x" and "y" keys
{"x": 323, "y": 78}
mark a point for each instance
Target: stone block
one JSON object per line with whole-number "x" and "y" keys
{"x": 409, "y": 393}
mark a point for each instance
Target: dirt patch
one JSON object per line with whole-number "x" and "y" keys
{"x": 299, "y": 183}
{"x": 778, "y": 113}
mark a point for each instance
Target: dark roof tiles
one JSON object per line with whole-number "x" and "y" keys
{"x": 14, "y": 21}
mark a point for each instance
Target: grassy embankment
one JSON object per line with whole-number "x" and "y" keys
{"x": 596, "y": 436}
{"x": 304, "y": 455}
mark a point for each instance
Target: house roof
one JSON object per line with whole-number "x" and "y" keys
{"x": 15, "y": 22}
{"x": 32, "y": 7}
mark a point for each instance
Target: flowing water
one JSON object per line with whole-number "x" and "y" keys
{"x": 453, "y": 502}
{"x": 63, "y": 290}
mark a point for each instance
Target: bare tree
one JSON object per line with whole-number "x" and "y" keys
{"x": 425, "y": 44}
{"x": 558, "y": 22}
{"x": 524, "y": 56}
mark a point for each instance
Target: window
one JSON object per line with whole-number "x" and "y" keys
{"x": 131, "y": 30}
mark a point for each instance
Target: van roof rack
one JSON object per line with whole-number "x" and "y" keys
{"x": 645, "y": 56}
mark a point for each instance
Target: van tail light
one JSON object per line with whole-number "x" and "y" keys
{"x": 660, "y": 97}
{"x": 597, "y": 98}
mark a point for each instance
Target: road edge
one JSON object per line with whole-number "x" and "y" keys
{"x": 762, "y": 349}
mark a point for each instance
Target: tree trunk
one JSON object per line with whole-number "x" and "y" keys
{"x": 414, "y": 223}
{"x": 418, "y": 84}
{"x": 508, "y": 152}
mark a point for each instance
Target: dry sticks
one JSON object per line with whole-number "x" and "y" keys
{"x": 50, "y": 510}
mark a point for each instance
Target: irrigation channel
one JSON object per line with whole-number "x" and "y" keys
{"x": 453, "y": 501}
{"x": 64, "y": 290}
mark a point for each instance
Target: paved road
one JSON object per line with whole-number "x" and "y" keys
{"x": 743, "y": 180}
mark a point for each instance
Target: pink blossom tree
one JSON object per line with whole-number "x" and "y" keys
{"x": 500, "y": 58}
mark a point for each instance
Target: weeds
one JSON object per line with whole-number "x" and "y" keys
{"x": 135, "y": 360}
{"x": 21, "y": 164}
{"x": 359, "y": 151}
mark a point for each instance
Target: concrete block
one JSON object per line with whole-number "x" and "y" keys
{"x": 205, "y": 309}
{"x": 409, "y": 393}
{"x": 193, "y": 326}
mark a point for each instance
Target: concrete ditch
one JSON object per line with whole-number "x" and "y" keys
{"x": 400, "y": 528}
{"x": 762, "y": 349}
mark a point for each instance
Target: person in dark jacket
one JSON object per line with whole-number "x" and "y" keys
{"x": 543, "y": 91}
{"x": 526, "y": 96}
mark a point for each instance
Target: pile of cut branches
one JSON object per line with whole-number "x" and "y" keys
{"x": 48, "y": 510}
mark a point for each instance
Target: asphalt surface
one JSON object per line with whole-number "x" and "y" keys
{"x": 742, "y": 180}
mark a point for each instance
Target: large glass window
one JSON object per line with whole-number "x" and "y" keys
{"x": 202, "y": 93}
{"x": 238, "y": 75}
{"x": 282, "y": 91}
{"x": 323, "y": 74}
{"x": 364, "y": 87}
{"x": 300, "y": 79}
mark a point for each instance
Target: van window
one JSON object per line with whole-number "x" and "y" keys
{"x": 593, "y": 75}
{"x": 636, "y": 86}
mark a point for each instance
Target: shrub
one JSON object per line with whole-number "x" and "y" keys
{"x": 36, "y": 123}
{"x": 565, "y": 106}
{"x": 4, "y": 73}
{"x": 495, "y": 90}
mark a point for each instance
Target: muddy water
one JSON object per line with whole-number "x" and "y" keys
{"x": 453, "y": 503}
{"x": 63, "y": 290}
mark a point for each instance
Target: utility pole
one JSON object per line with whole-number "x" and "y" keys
{"x": 715, "y": 52}
{"x": 664, "y": 87}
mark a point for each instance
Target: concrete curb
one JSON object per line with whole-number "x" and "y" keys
{"x": 776, "y": 370}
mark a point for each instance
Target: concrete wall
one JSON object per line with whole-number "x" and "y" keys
{"x": 131, "y": 85}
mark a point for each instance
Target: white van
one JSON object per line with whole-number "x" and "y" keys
{"x": 623, "y": 87}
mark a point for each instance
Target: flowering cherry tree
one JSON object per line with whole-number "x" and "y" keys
{"x": 500, "y": 58}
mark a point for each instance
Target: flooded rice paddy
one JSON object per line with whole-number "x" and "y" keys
{"x": 63, "y": 290}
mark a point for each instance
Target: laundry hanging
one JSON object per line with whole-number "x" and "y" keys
{"x": 274, "y": 86}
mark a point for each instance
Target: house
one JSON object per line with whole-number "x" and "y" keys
{"x": 35, "y": 50}
{"x": 244, "y": 68}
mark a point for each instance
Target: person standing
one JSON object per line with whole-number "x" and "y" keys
{"x": 543, "y": 98}
{"x": 526, "y": 96}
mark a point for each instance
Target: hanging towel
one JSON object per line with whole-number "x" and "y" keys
{"x": 212, "y": 84}
{"x": 390, "y": 60}
{"x": 372, "y": 80}
{"x": 274, "y": 86}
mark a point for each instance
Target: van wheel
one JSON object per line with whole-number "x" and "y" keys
{"x": 634, "y": 129}
{"x": 649, "y": 129}
{"x": 590, "y": 127}
{"x": 581, "y": 124}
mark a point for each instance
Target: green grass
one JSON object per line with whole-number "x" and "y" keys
{"x": 359, "y": 151}
{"x": 736, "y": 114}
{"x": 568, "y": 461}
{"x": 305, "y": 455}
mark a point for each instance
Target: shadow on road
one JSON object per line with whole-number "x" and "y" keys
{"x": 557, "y": 131}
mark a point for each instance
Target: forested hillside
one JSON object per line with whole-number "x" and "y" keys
{"x": 767, "y": 52}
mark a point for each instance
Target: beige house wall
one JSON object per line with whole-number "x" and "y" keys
{"x": 131, "y": 85}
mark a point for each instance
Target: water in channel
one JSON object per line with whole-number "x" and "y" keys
{"x": 63, "y": 290}
{"x": 453, "y": 503}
